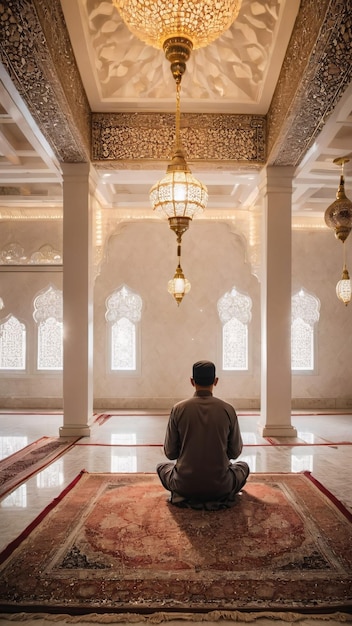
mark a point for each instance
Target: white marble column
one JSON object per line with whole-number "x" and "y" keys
{"x": 275, "y": 413}
{"x": 77, "y": 301}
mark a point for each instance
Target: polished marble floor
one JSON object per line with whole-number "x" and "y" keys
{"x": 132, "y": 442}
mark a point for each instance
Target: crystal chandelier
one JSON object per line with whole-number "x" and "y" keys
{"x": 199, "y": 22}
{"x": 177, "y": 27}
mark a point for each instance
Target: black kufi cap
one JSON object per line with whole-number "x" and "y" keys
{"x": 204, "y": 373}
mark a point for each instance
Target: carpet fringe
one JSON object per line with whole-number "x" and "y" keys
{"x": 161, "y": 617}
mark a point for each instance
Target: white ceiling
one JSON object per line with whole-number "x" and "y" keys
{"x": 236, "y": 74}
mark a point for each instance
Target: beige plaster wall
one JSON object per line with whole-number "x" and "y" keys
{"x": 31, "y": 235}
{"x": 317, "y": 260}
{"x": 171, "y": 338}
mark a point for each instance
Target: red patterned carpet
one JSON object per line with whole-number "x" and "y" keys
{"x": 18, "y": 467}
{"x": 114, "y": 543}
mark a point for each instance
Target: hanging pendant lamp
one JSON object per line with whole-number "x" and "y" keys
{"x": 338, "y": 215}
{"x": 177, "y": 27}
{"x": 343, "y": 287}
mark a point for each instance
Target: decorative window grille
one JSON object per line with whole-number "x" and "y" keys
{"x": 12, "y": 344}
{"x": 123, "y": 345}
{"x": 234, "y": 309}
{"x": 305, "y": 315}
{"x": 123, "y": 312}
{"x": 48, "y": 316}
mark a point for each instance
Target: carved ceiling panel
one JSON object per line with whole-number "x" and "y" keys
{"x": 288, "y": 102}
{"x": 232, "y": 71}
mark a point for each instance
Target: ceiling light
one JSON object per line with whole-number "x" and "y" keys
{"x": 198, "y": 21}
{"x": 180, "y": 196}
{"x": 178, "y": 286}
{"x": 177, "y": 27}
{"x": 338, "y": 215}
{"x": 343, "y": 287}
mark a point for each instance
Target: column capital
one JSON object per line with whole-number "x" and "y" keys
{"x": 276, "y": 179}
{"x": 75, "y": 169}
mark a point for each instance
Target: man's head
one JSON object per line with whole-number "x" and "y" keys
{"x": 204, "y": 374}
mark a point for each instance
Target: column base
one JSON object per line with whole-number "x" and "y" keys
{"x": 74, "y": 430}
{"x": 277, "y": 431}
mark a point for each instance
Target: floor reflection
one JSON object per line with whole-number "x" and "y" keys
{"x": 52, "y": 476}
{"x": 10, "y": 445}
{"x": 16, "y": 499}
{"x": 128, "y": 444}
{"x": 301, "y": 462}
{"x": 123, "y": 461}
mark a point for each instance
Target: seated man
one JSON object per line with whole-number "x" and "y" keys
{"x": 203, "y": 435}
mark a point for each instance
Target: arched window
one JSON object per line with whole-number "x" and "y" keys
{"x": 123, "y": 312}
{"x": 234, "y": 309}
{"x": 305, "y": 315}
{"x": 48, "y": 316}
{"x": 12, "y": 344}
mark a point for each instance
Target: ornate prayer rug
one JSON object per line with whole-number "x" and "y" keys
{"x": 112, "y": 542}
{"x": 18, "y": 467}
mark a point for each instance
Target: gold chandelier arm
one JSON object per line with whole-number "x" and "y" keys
{"x": 340, "y": 195}
{"x": 179, "y": 252}
{"x": 178, "y": 146}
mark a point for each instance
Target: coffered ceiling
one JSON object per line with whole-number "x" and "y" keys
{"x": 76, "y": 85}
